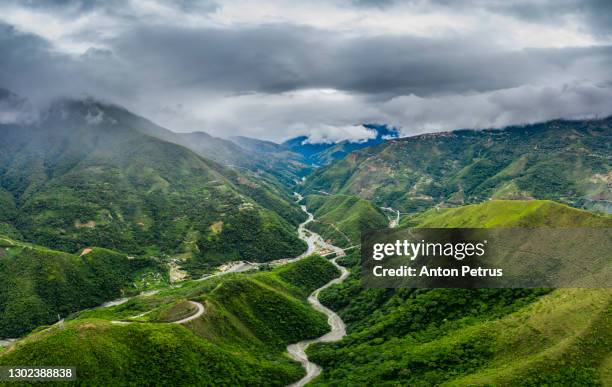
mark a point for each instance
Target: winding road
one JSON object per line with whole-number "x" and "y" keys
{"x": 197, "y": 314}
{"x": 297, "y": 351}
{"x": 199, "y": 311}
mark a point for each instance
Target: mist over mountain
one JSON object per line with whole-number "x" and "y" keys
{"x": 91, "y": 174}
{"x": 320, "y": 151}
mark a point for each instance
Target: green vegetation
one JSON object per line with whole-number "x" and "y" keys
{"x": 509, "y": 213}
{"x": 472, "y": 336}
{"x": 92, "y": 174}
{"x": 239, "y": 340}
{"x": 564, "y": 161}
{"x": 38, "y": 283}
{"x": 160, "y": 354}
{"x": 342, "y": 218}
{"x": 70, "y": 183}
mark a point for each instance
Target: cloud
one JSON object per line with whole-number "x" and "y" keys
{"x": 514, "y": 106}
{"x": 279, "y": 69}
{"x": 327, "y": 134}
{"x": 15, "y": 109}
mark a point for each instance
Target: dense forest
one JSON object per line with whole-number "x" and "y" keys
{"x": 342, "y": 218}
{"x": 94, "y": 210}
{"x": 68, "y": 184}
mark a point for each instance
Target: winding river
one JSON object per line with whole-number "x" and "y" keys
{"x": 297, "y": 351}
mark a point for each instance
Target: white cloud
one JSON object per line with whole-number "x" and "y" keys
{"x": 327, "y": 134}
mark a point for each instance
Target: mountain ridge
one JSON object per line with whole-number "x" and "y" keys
{"x": 86, "y": 176}
{"x": 560, "y": 160}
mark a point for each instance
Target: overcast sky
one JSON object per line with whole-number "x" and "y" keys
{"x": 276, "y": 69}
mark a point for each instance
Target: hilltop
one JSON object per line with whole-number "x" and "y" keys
{"x": 342, "y": 218}
{"x": 509, "y": 213}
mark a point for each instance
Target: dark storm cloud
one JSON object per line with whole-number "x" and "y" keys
{"x": 268, "y": 78}
{"x": 282, "y": 58}
{"x": 596, "y": 14}
{"x": 30, "y": 66}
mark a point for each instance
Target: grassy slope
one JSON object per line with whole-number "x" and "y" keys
{"x": 565, "y": 161}
{"x": 342, "y": 218}
{"x": 240, "y": 339}
{"x": 473, "y": 337}
{"x": 38, "y": 283}
{"x": 509, "y": 213}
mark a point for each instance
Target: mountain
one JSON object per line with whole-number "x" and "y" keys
{"x": 38, "y": 284}
{"x": 258, "y": 146}
{"x": 324, "y": 153}
{"x": 565, "y": 161}
{"x": 86, "y": 174}
{"x": 459, "y": 337}
{"x": 281, "y": 170}
{"x": 342, "y": 218}
{"x": 241, "y": 338}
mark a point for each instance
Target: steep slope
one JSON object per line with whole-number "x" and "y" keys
{"x": 472, "y": 336}
{"x": 39, "y": 284}
{"x": 566, "y": 161}
{"x": 267, "y": 177}
{"x": 239, "y": 340}
{"x": 342, "y": 218}
{"x": 256, "y": 145}
{"x": 84, "y": 176}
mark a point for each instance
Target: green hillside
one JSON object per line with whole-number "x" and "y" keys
{"x": 509, "y": 213}
{"x": 564, "y": 161}
{"x": 85, "y": 176}
{"x": 239, "y": 340}
{"x": 38, "y": 283}
{"x": 342, "y": 218}
{"x": 472, "y": 336}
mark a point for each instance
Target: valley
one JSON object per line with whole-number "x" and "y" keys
{"x": 194, "y": 309}
{"x": 282, "y": 193}
{"x": 210, "y": 261}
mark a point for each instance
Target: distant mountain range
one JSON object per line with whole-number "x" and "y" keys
{"x": 565, "y": 161}
{"x": 317, "y": 154}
